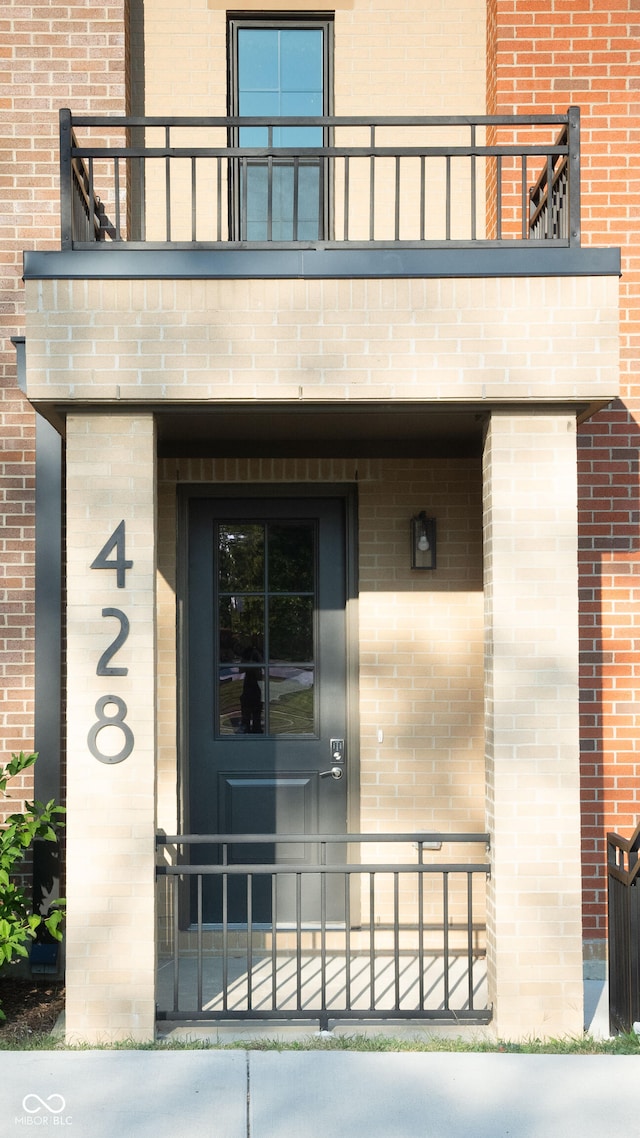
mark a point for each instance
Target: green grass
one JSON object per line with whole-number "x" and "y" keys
{"x": 580, "y": 1045}
{"x": 585, "y": 1045}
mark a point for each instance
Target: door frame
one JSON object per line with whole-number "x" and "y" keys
{"x": 274, "y": 491}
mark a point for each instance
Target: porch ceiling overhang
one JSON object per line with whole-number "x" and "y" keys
{"x": 292, "y": 430}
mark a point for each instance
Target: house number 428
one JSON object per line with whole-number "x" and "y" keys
{"x": 111, "y": 710}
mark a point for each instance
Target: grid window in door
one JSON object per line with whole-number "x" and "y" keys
{"x": 266, "y": 607}
{"x": 277, "y": 71}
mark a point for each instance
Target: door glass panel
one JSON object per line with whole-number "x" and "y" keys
{"x": 291, "y": 701}
{"x": 241, "y": 558}
{"x": 265, "y": 643}
{"x": 241, "y": 701}
{"x": 291, "y": 558}
{"x": 241, "y": 629}
{"x": 290, "y": 629}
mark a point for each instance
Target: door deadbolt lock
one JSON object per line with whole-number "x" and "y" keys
{"x": 337, "y": 750}
{"x": 333, "y": 772}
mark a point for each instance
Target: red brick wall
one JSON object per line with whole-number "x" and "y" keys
{"x": 545, "y": 55}
{"x": 52, "y": 55}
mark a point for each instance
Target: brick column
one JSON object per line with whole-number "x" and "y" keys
{"x": 111, "y": 804}
{"x": 531, "y": 709}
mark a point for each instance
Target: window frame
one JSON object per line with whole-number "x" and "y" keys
{"x": 237, "y": 21}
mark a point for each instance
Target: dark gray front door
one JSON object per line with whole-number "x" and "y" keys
{"x": 267, "y": 685}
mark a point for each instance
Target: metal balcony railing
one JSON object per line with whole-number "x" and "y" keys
{"x": 322, "y": 932}
{"x": 411, "y": 182}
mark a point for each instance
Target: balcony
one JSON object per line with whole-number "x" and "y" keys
{"x": 256, "y": 183}
{"x": 227, "y": 209}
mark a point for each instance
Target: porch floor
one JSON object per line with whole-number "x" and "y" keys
{"x": 268, "y": 988}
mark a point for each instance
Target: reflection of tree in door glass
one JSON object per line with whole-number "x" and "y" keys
{"x": 266, "y": 583}
{"x": 241, "y": 558}
{"x": 241, "y": 629}
{"x": 290, "y": 630}
{"x": 291, "y": 559}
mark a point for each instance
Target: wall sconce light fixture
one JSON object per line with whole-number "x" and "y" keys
{"x": 423, "y": 542}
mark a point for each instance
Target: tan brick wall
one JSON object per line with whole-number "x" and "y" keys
{"x": 532, "y": 747}
{"x": 191, "y": 341}
{"x": 420, "y": 649}
{"x": 111, "y": 807}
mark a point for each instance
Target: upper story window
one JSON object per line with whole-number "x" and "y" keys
{"x": 280, "y": 68}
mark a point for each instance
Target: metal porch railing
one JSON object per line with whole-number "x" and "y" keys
{"x": 322, "y": 932}
{"x": 411, "y": 181}
{"x": 624, "y": 930}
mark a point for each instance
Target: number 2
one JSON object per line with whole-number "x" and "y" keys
{"x": 103, "y": 668}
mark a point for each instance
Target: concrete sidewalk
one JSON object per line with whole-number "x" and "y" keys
{"x": 239, "y": 1094}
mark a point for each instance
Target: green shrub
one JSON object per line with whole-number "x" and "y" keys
{"x": 36, "y": 822}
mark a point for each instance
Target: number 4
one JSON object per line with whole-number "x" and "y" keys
{"x": 119, "y": 562}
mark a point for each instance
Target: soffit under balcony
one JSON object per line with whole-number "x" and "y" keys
{"x": 322, "y": 431}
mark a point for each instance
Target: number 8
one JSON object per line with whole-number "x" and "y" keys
{"x": 116, "y": 720}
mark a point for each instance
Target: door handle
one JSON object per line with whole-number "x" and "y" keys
{"x": 333, "y": 772}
